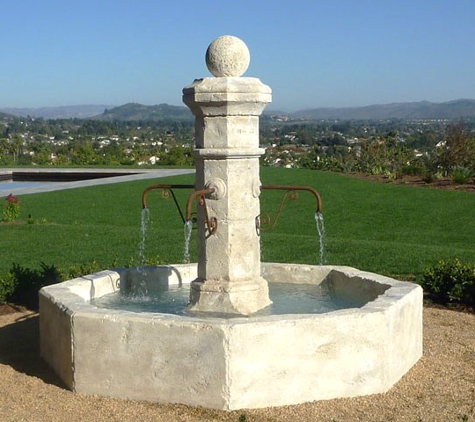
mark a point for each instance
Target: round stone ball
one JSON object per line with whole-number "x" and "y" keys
{"x": 227, "y": 56}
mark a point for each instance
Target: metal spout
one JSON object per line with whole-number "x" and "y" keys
{"x": 200, "y": 195}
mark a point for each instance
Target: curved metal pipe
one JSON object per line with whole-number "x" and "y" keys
{"x": 168, "y": 187}
{"x": 265, "y": 223}
{"x": 211, "y": 223}
{"x": 295, "y": 188}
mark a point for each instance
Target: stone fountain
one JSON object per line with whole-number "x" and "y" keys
{"x": 242, "y": 359}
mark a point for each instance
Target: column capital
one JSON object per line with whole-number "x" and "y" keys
{"x": 227, "y": 96}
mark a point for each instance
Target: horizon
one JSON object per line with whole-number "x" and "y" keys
{"x": 330, "y": 55}
{"x": 269, "y": 108}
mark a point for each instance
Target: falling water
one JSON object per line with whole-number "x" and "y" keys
{"x": 140, "y": 289}
{"x": 186, "y": 253}
{"x": 144, "y": 224}
{"x": 321, "y": 235}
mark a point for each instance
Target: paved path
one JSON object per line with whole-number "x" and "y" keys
{"x": 135, "y": 174}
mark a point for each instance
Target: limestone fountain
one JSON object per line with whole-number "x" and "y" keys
{"x": 243, "y": 359}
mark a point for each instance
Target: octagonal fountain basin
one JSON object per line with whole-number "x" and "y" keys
{"x": 369, "y": 338}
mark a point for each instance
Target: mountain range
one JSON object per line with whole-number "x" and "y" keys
{"x": 462, "y": 108}
{"x": 416, "y": 110}
{"x": 62, "y": 112}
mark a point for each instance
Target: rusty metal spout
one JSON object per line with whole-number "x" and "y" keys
{"x": 200, "y": 196}
{"x": 264, "y": 221}
{"x": 297, "y": 188}
{"x": 167, "y": 191}
{"x": 168, "y": 188}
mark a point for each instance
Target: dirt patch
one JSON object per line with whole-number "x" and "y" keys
{"x": 445, "y": 183}
{"x": 10, "y": 308}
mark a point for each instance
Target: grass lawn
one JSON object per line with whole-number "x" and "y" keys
{"x": 390, "y": 229}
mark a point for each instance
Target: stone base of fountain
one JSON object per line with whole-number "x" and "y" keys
{"x": 233, "y": 363}
{"x": 243, "y": 297}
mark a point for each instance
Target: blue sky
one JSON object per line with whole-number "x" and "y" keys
{"x": 312, "y": 53}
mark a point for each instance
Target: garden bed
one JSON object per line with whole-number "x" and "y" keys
{"x": 445, "y": 183}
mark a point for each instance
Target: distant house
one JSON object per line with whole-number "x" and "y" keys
{"x": 149, "y": 161}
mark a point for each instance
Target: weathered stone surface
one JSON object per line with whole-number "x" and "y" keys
{"x": 232, "y": 363}
{"x": 227, "y": 113}
{"x": 227, "y": 96}
{"x": 227, "y": 56}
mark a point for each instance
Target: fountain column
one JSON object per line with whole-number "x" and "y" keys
{"x": 227, "y": 109}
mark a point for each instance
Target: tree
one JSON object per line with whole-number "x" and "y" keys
{"x": 16, "y": 146}
{"x": 84, "y": 154}
{"x": 383, "y": 155}
{"x": 458, "y": 149}
{"x": 6, "y": 157}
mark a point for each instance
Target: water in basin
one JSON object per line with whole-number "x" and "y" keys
{"x": 287, "y": 298}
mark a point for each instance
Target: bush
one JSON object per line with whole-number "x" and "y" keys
{"x": 24, "y": 283}
{"x": 412, "y": 170}
{"x": 462, "y": 175}
{"x": 21, "y": 285}
{"x": 82, "y": 269}
{"x": 450, "y": 282}
{"x": 7, "y": 287}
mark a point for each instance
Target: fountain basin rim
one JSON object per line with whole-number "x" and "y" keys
{"x": 71, "y": 293}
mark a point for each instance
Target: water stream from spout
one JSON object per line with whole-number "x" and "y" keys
{"x": 188, "y": 229}
{"x": 141, "y": 287}
{"x": 144, "y": 225}
{"x": 321, "y": 235}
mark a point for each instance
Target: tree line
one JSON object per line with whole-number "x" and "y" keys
{"x": 428, "y": 147}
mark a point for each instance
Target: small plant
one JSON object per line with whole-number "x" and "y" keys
{"x": 153, "y": 260}
{"x": 412, "y": 170}
{"x": 82, "y": 269}
{"x": 7, "y": 286}
{"x": 462, "y": 175}
{"x": 450, "y": 282}
{"x": 428, "y": 177}
{"x": 11, "y": 208}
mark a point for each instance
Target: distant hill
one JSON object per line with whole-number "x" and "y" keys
{"x": 135, "y": 112}
{"x": 6, "y": 117}
{"x": 417, "y": 110}
{"x": 63, "y": 112}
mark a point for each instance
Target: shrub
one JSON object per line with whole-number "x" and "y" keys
{"x": 428, "y": 177}
{"x": 26, "y": 282}
{"x": 21, "y": 285}
{"x": 7, "y": 287}
{"x": 11, "y": 208}
{"x": 450, "y": 282}
{"x": 82, "y": 269}
{"x": 412, "y": 170}
{"x": 462, "y": 175}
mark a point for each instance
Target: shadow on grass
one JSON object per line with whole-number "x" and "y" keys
{"x": 19, "y": 348}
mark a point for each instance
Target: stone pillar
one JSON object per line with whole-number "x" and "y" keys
{"x": 227, "y": 109}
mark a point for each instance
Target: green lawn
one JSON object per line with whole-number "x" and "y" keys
{"x": 390, "y": 229}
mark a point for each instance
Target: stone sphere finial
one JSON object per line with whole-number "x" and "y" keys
{"x": 227, "y": 56}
